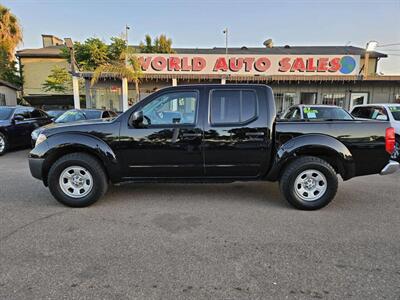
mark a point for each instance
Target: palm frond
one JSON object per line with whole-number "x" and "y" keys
{"x": 116, "y": 69}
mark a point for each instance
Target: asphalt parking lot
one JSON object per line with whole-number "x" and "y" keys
{"x": 221, "y": 241}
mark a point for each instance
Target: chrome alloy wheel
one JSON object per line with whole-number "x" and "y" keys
{"x": 76, "y": 182}
{"x": 310, "y": 185}
{"x": 2, "y": 144}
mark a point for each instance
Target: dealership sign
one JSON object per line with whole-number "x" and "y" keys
{"x": 249, "y": 64}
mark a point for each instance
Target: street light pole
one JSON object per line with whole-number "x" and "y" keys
{"x": 127, "y": 43}
{"x": 226, "y": 41}
{"x": 223, "y": 80}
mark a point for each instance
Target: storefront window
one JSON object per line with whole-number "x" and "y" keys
{"x": 308, "y": 98}
{"x": 279, "y": 102}
{"x": 106, "y": 98}
{"x": 337, "y": 99}
{"x": 283, "y": 101}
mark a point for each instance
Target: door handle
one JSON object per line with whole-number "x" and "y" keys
{"x": 191, "y": 135}
{"x": 254, "y": 133}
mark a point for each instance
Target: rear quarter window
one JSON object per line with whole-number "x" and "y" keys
{"x": 233, "y": 106}
{"x": 362, "y": 112}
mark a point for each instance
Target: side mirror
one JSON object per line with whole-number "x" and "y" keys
{"x": 18, "y": 118}
{"x": 136, "y": 119}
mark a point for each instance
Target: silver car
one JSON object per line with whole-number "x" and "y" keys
{"x": 384, "y": 112}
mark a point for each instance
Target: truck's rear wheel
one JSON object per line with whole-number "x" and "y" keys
{"x": 77, "y": 180}
{"x": 309, "y": 183}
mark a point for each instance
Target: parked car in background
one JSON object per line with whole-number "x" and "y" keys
{"x": 316, "y": 112}
{"x": 210, "y": 133}
{"x": 54, "y": 114}
{"x": 383, "y": 112}
{"x": 74, "y": 115}
{"x": 17, "y": 124}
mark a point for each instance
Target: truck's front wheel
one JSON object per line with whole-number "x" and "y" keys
{"x": 77, "y": 180}
{"x": 309, "y": 183}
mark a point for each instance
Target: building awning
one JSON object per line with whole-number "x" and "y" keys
{"x": 236, "y": 78}
{"x": 9, "y": 85}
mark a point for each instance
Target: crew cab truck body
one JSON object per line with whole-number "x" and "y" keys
{"x": 209, "y": 133}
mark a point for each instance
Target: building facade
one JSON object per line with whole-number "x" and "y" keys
{"x": 37, "y": 65}
{"x": 8, "y": 93}
{"x": 308, "y": 75}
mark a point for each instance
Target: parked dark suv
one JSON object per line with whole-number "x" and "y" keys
{"x": 17, "y": 124}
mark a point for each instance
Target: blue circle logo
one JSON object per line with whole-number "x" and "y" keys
{"x": 348, "y": 64}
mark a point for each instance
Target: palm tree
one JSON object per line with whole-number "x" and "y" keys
{"x": 120, "y": 68}
{"x": 10, "y": 31}
{"x": 161, "y": 44}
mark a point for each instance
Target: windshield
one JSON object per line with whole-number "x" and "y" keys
{"x": 325, "y": 113}
{"x": 395, "y": 110}
{"x": 5, "y": 112}
{"x": 70, "y": 116}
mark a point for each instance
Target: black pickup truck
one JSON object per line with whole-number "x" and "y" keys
{"x": 210, "y": 133}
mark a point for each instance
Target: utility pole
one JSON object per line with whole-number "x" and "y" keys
{"x": 371, "y": 46}
{"x": 75, "y": 75}
{"x": 125, "y": 104}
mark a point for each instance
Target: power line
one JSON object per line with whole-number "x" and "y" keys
{"x": 387, "y": 45}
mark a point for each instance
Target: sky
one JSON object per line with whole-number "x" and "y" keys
{"x": 200, "y": 24}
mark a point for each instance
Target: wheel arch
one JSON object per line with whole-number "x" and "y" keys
{"x": 318, "y": 145}
{"x": 63, "y": 144}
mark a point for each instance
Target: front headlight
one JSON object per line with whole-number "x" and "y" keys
{"x": 41, "y": 138}
{"x": 35, "y": 134}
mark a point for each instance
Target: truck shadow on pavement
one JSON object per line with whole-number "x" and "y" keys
{"x": 259, "y": 193}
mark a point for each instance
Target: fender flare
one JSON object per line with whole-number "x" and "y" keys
{"x": 66, "y": 142}
{"x": 316, "y": 145}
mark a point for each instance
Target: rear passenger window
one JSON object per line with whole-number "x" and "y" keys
{"x": 362, "y": 112}
{"x": 36, "y": 114}
{"x": 232, "y": 106}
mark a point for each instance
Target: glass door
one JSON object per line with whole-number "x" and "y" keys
{"x": 358, "y": 99}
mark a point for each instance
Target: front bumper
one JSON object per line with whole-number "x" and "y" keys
{"x": 36, "y": 167}
{"x": 390, "y": 168}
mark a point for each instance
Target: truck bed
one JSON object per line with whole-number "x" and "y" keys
{"x": 364, "y": 139}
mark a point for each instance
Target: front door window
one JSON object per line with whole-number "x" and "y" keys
{"x": 171, "y": 108}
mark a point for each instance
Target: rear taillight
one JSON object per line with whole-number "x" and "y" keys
{"x": 390, "y": 140}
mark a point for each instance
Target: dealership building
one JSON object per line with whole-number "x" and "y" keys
{"x": 338, "y": 75}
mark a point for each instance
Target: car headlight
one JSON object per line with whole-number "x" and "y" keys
{"x": 41, "y": 138}
{"x": 35, "y": 134}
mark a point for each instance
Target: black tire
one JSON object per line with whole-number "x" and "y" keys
{"x": 396, "y": 153}
{"x": 296, "y": 168}
{"x": 5, "y": 148}
{"x": 86, "y": 161}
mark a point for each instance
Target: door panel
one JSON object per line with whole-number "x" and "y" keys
{"x": 235, "y": 135}
{"x": 169, "y": 142}
{"x": 21, "y": 130}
